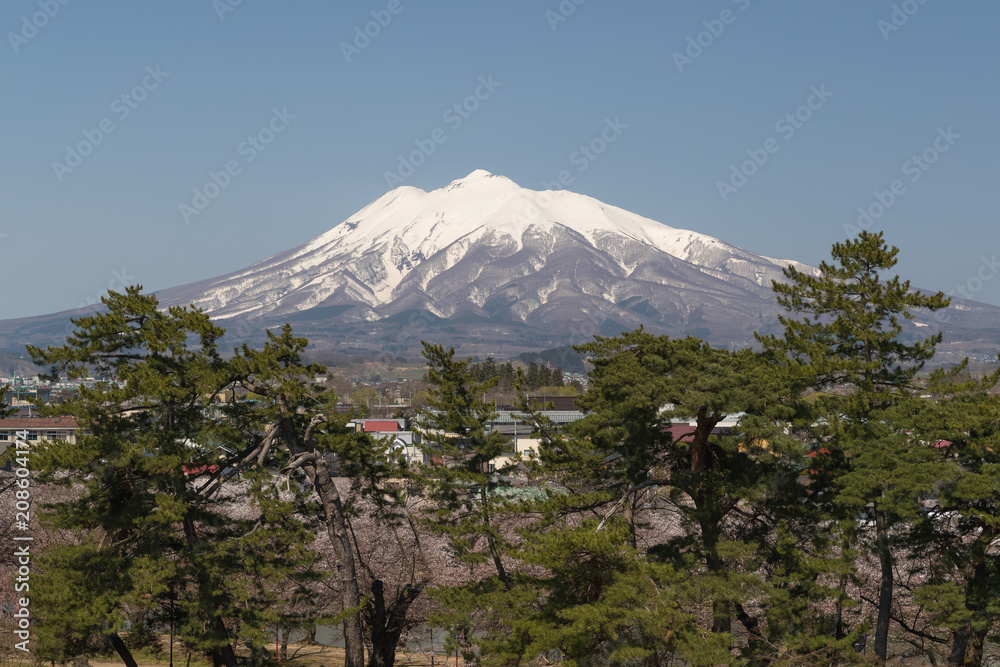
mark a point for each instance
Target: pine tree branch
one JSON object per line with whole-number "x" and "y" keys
{"x": 906, "y": 627}
{"x": 621, "y": 501}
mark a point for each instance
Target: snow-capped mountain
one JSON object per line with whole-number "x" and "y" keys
{"x": 491, "y": 267}
{"x": 483, "y": 246}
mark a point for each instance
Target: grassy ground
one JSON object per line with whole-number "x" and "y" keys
{"x": 299, "y": 655}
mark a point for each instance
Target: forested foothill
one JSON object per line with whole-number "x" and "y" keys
{"x": 820, "y": 499}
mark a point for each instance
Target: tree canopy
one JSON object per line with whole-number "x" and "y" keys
{"x": 770, "y": 506}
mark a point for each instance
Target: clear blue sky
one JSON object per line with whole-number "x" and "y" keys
{"x": 68, "y": 235}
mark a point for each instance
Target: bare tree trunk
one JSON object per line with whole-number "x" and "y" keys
{"x": 960, "y": 645}
{"x": 122, "y": 650}
{"x": 837, "y": 627}
{"x": 387, "y": 623}
{"x": 885, "y": 585}
{"x": 967, "y": 649}
{"x": 491, "y": 542}
{"x": 706, "y": 504}
{"x": 722, "y": 610}
{"x": 225, "y": 655}
{"x": 974, "y": 651}
{"x": 336, "y": 525}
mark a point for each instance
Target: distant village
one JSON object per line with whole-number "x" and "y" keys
{"x": 385, "y": 409}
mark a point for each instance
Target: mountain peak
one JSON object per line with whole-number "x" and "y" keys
{"x": 479, "y": 173}
{"x": 479, "y": 178}
{"x": 510, "y": 245}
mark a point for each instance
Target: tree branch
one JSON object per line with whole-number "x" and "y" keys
{"x": 906, "y": 627}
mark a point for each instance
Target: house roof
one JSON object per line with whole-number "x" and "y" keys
{"x": 554, "y": 416}
{"x": 815, "y": 453}
{"x": 381, "y": 425}
{"x": 35, "y": 423}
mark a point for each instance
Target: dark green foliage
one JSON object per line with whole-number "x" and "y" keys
{"x": 466, "y": 507}
{"x": 599, "y": 603}
{"x": 304, "y": 428}
{"x": 453, "y": 429}
{"x": 531, "y": 375}
{"x": 640, "y": 384}
{"x": 565, "y": 357}
{"x": 847, "y": 332}
{"x": 502, "y": 376}
{"x": 713, "y": 507}
{"x": 150, "y": 531}
{"x": 5, "y": 410}
{"x": 960, "y": 525}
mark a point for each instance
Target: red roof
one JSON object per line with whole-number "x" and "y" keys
{"x": 682, "y": 432}
{"x": 35, "y": 423}
{"x": 381, "y": 426}
{"x": 815, "y": 453}
{"x": 190, "y": 469}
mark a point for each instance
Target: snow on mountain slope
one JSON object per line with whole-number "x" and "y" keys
{"x": 483, "y": 238}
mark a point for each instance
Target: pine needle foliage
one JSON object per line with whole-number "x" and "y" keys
{"x": 845, "y": 328}
{"x": 155, "y": 531}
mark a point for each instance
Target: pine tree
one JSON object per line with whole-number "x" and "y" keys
{"x": 505, "y": 375}
{"x": 845, "y": 330}
{"x": 960, "y": 526}
{"x": 303, "y": 422}
{"x": 532, "y": 376}
{"x": 454, "y": 430}
{"x": 489, "y": 370}
{"x": 620, "y": 596}
{"x": 467, "y": 504}
{"x": 640, "y": 384}
{"x": 586, "y": 593}
{"x": 5, "y": 410}
{"x": 151, "y": 527}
